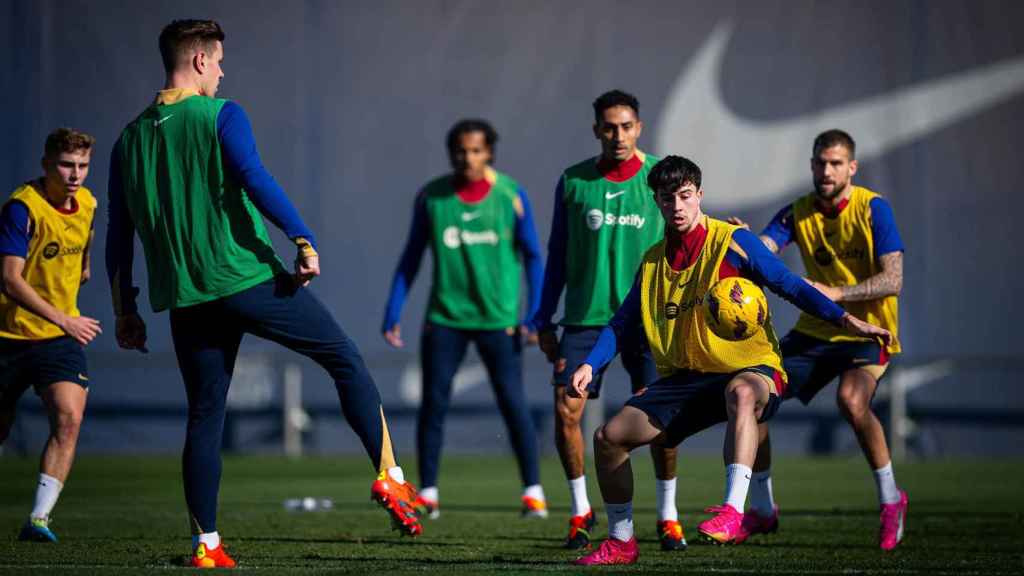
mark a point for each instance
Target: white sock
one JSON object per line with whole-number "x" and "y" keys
{"x": 620, "y": 521}
{"x": 430, "y": 493}
{"x": 396, "y": 473}
{"x": 578, "y": 492}
{"x": 737, "y": 482}
{"x": 762, "y": 500}
{"x": 666, "y": 490}
{"x": 888, "y": 493}
{"x": 46, "y": 496}
{"x": 211, "y": 539}
{"x": 535, "y": 491}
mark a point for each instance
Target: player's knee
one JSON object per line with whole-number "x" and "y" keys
{"x": 605, "y": 439}
{"x": 66, "y": 426}
{"x": 851, "y": 402}
{"x": 569, "y": 414}
{"x": 741, "y": 397}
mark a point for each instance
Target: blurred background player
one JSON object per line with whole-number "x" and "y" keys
{"x": 853, "y": 254}
{"x": 604, "y": 220}
{"x": 186, "y": 176}
{"x": 46, "y": 228}
{"x": 704, "y": 379}
{"x": 478, "y": 225}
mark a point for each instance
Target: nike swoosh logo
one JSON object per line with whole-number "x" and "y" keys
{"x": 611, "y": 196}
{"x": 696, "y": 114}
{"x": 468, "y": 216}
{"x": 162, "y": 120}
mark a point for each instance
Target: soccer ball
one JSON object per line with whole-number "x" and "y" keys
{"x": 735, "y": 308}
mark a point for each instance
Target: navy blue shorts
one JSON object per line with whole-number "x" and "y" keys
{"x": 39, "y": 363}
{"x": 687, "y": 402}
{"x": 811, "y": 363}
{"x": 576, "y": 343}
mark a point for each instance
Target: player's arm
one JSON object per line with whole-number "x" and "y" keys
{"x": 86, "y": 260}
{"x": 778, "y": 233}
{"x": 405, "y": 274}
{"x": 529, "y": 246}
{"x": 889, "y": 247}
{"x": 625, "y": 320}
{"x": 15, "y": 232}
{"x": 120, "y": 254}
{"x": 238, "y": 146}
{"x": 766, "y": 269}
{"x": 554, "y": 276}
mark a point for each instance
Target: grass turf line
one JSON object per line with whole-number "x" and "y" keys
{"x": 126, "y": 514}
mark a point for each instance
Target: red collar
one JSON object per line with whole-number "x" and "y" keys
{"x": 682, "y": 250}
{"x": 471, "y": 192}
{"x": 619, "y": 171}
{"x": 832, "y": 211}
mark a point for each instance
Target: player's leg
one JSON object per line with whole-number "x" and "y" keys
{"x": 638, "y": 362}
{"x": 856, "y": 389}
{"x": 501, "y": 353}
{"x": 441, "y": 351}
{"x": 206, "y": 344}
{"x": 807, "y": 372}
{"x": 573, "y": 348}
{"x": 750, "y": 397}
{"x": 627, "y": 430}
{"x": 295, "y": 318}
{"x": 57, "y": 370}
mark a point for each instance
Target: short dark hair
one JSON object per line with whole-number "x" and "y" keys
{"x": 66, "y": 140}
{"x": 835, "y": 137}
{"x": 671, "y": 172}
{"x": 467, "y": 126}
{"x": 181, "y": 37}
{"x": 612, "y": 99}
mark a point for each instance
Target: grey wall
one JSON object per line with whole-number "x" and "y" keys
{"x": 350, "y": 102}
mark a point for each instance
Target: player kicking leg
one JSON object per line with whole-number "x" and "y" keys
{"x": 45, "y": 234}
{"x": 211, "y": 263}
{"x": 705, "y": 379}
{"x": 853, "y": 254}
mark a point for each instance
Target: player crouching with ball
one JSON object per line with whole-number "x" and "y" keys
{"x": 711, "y": 371}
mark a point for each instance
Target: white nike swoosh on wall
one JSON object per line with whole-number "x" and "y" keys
{"x": 696, "y": 123}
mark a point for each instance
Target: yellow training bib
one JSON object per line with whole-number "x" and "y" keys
{"x": 840, "y": 251}
{"x": 53, "y": 265}
{"x": 671, "y": 301}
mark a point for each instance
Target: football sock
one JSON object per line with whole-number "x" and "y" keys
{"x": 396, "y": 474}
{"x": 888, "y": 493}
{"x": 737, "y": 482}
{"x": 534, "y": 491}
{"x": 666, "y": 490}
{"x": 620, "y": 521}
{"x": 762, "y": 500}
{"x": 578, "y": 492}
{"x": 46, "y": 496}
{"x": 430, "y": 493}
{"x": 211, "y": 539}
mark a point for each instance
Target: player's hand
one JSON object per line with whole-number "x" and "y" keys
{"x": 548, "y": 343}
{"x": 82, "y": 328}
{"x": 580, "y": 380}
{"x": 833, "y": 293}
{"x": 393, "y": 336}
{"x": 306, "y": 268}
{"x": 131, "y": 332}
{"x": 858, "y": 327}
{"x": 529, "y": 336}
{"x": 86, "y": 274}
{"x": 737, "y": 222}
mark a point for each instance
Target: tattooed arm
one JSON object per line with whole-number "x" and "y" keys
{"x": 888, "y": 282}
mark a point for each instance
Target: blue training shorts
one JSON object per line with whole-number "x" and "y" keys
{"x": 577, "y": 341}
{"x": 39, "y": 363}
{"x": 687, "y": 402}
{"x": 811, "y": 364}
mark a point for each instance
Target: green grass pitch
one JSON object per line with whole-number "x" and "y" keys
{"x": 126, "y": 515}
